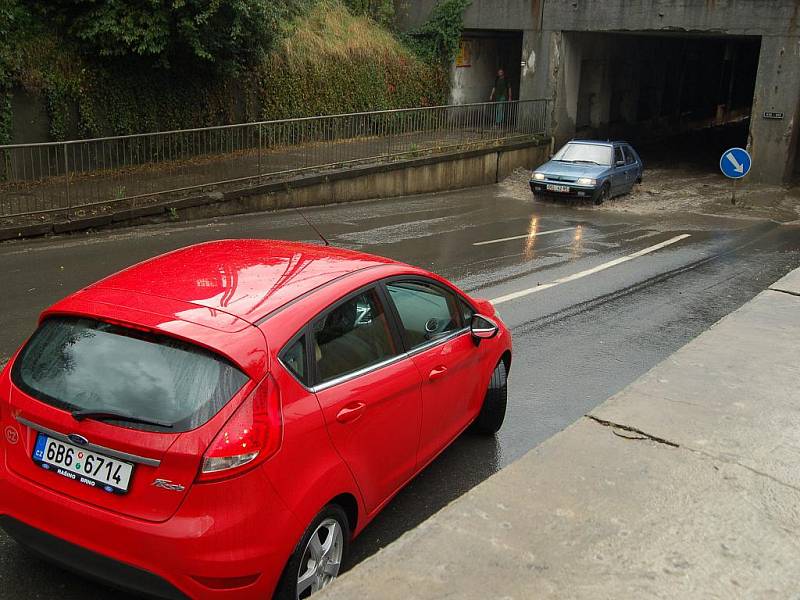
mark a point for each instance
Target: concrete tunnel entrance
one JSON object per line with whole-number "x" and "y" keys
{"x": 481, "y": 54}
{"x": 682, "y": 99}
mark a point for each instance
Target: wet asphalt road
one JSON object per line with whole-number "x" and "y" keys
{"x": 575, "y": 344}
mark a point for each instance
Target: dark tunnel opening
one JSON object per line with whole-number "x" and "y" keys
{"x": 682, "y": 99}
{"x": 481, "y": 54}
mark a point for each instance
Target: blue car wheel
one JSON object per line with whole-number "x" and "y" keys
{"x": 602, "y": 195}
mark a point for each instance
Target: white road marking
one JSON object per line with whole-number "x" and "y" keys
{"x": 519, "y": 237}
{"x": 597, "y": 269}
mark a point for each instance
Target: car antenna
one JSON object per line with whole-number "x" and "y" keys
{"x": 310, "y": 224}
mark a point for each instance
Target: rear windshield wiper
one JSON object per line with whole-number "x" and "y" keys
{"x": 110, "y": 415}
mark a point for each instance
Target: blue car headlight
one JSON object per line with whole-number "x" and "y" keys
{"x": 538, "y": 176}
{"x": 587, "y": 181}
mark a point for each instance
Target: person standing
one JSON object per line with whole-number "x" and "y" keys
{"x": 501, "y": 93}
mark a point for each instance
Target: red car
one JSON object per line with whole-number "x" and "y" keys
{"x": 220, "y": 421}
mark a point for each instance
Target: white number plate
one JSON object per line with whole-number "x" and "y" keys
{"x": 81, "y": 465}
{"x": 557, "y": 188}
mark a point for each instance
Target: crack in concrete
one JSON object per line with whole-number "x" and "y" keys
{"x": 731, "y": 461}
{"x": 685, "y": 402}
{"x": 772, "y": 289}
{"x": 643, "y": 434}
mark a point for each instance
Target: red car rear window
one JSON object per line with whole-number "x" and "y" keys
{"x": 82, "y": 364}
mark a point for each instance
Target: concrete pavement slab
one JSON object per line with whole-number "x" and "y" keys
{"x": 590, "y": 514}
{"x": 733, "y": 392}
{"x": 789, "y": 283}
{"x": 692, "y": 494}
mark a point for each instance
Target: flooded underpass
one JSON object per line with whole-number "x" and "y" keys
{"x": 575, "y": 343}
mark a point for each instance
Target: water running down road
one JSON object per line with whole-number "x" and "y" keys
{"x": 593, "y": 298}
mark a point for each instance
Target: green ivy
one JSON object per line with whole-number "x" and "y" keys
{"x": 439, "y": 37}
{"x": 13, "y": 20}
{"x": 5, "y": 116}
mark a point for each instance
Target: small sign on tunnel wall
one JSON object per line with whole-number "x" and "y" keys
{"x": 464, "y": 57}
{"x": 773, "y": 115}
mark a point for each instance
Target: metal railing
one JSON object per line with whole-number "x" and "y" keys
{"x": 77, "y": 178}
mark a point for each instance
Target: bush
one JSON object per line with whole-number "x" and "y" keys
{"x": 381, "y": 11}
{"x": 225, "y": 34}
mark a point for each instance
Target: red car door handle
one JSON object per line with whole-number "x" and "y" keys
{"x": 351, "y": 412}
{"x": 437, "y": 372}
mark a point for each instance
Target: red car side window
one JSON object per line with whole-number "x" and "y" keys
{"x": 294, "y": 358}
{"x": 427, "y": 311}
{"x": 352, "y": 336}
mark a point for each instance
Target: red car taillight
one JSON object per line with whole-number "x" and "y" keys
{"x": 250, "y": 436}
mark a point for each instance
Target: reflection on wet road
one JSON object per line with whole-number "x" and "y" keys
{"x": 575, "y": 343}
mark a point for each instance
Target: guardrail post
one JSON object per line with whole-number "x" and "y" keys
{"x": 259, "y": 152}
{"x": 66, "y": 179}
{"x": 388, "y": 139}
{"x": 461, "y": 123}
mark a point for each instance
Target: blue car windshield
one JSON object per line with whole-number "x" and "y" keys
{"x": 584, "y": 153}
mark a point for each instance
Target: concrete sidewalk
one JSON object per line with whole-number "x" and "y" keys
{"x": 684, "y": 485}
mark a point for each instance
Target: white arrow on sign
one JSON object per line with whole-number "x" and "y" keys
{"x": 739, "y": 168}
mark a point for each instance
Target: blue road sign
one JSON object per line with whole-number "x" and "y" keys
{"x": 735, "y": 163}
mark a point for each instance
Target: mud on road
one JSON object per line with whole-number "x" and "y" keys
{"x": 670, "y": 190}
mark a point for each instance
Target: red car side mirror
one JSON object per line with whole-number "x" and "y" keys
{"x": 483, "y": 328}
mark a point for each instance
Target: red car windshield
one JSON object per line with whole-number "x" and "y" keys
{"x": 79, "y": 364}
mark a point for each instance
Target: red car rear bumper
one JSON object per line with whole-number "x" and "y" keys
{"x": 237, "y": 552}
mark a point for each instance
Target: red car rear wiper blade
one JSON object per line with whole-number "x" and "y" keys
{"x": 110, "y": 415}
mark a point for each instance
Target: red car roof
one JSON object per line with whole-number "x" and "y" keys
{"x": 245, "y": 278}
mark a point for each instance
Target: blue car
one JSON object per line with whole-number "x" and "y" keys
{"x": 589, "y": 169}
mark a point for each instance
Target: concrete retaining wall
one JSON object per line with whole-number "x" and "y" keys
{"x": 405, "y": 178}
{"x": 402, "y": 178}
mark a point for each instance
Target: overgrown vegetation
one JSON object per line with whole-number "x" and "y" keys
{"x": 224, "y": 34}
{"x": 438, "y": 39}
{"x": 381, "y": 11}
{"x": 338, "y": 62}
{"x": 109, "y": 67}
{"x": 13, "y": 19}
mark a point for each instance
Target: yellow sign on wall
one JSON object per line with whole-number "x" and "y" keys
{"x": 464, "y": 57}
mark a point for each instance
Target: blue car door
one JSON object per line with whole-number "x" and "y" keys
{"x": 631, "y": 168}
{"x": 619, "y": 179}
{"x": 634, "y": 165}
